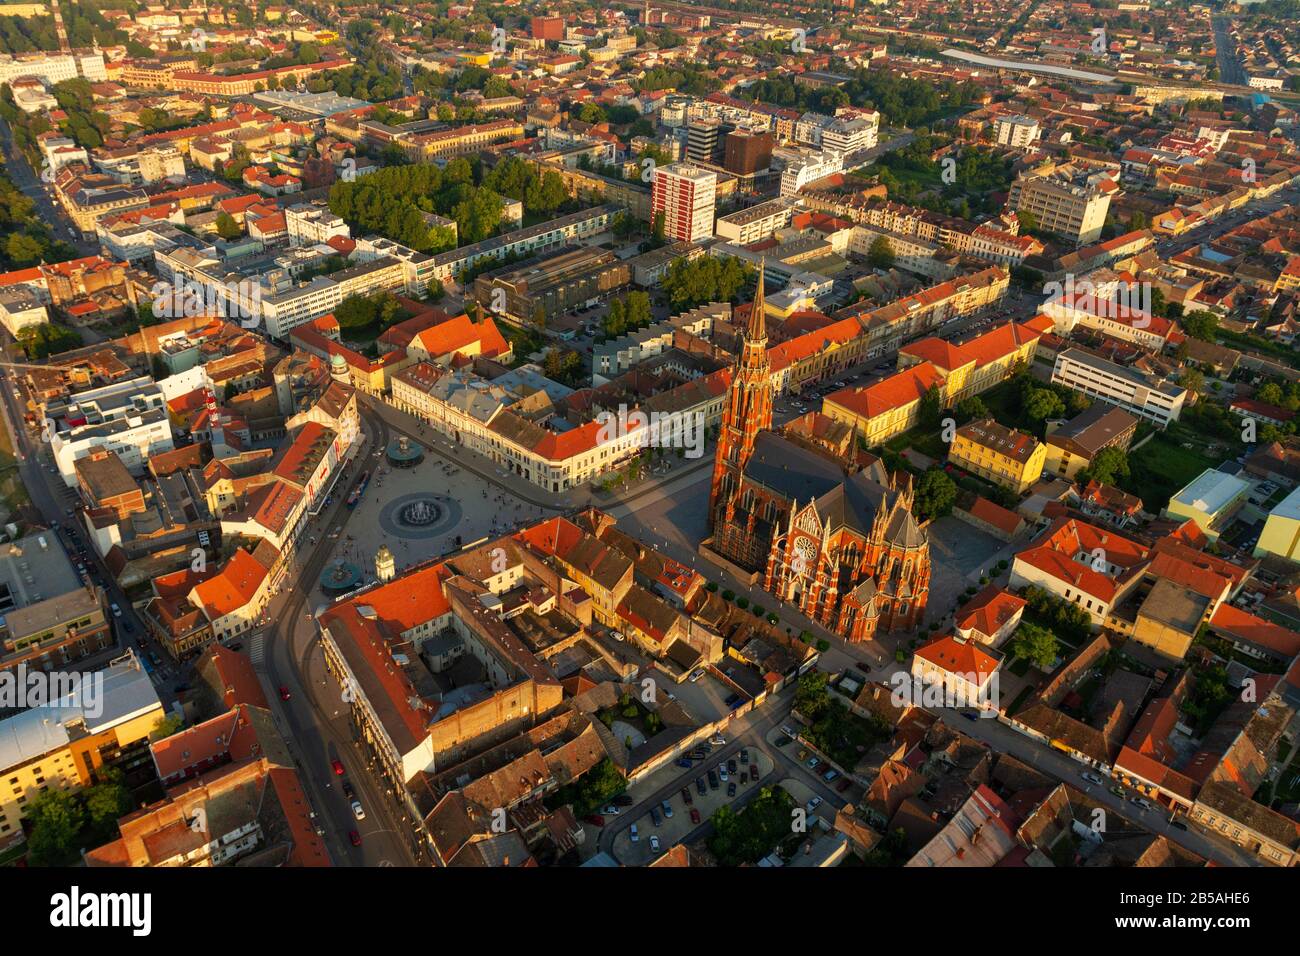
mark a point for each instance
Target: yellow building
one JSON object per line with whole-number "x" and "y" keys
{"x": 1281, "y": 534}
{"x": 95, "y": 722}
{"x": 998, "y": 454}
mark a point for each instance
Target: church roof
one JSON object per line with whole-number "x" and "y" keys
{"x": 790, "y": 470}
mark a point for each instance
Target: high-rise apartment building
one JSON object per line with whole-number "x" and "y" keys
{"x": 1067, "y": 202}
{"x": 685, "y": 194}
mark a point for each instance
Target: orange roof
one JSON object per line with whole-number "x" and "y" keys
{"x": 1239, "y": 624}
{"x": 897, "y": 391}
{"x": 964, "y": 658}
{"x": 232, "y": 589}
{"x": 989, "y": 610}
{"x": 994, "y": 514}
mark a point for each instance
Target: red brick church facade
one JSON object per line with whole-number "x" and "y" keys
{"x": 827, "y": 531}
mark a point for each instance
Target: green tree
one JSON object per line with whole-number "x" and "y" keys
{"x": 881, "y": 254}
{"x": 1035, "y": 644}
{"x": 56, "y": 818}
{"x": 1108, "y": 466}
{"x": 1202, "y": 325}
{"x": 1043, "y": 403}
{"x": 930, "y": 413}
{"x": 934, "y": 496}
{"x": 227, "y": 228}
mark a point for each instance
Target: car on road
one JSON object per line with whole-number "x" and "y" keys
{"x": 813, "y": 804}
{"x": 1092, "y": 778}
{"x": 695, "y": 815}
{"x": 668, "y": 809}
{"x": 784, "y": 741}
{"x": 684, "y": 762}
{"x": 970, "y": 715}
{"x": 843, "y": 785}
{"x": 633, "y": 834}
{"x": 117, "y": 611}
{"x": 347, "y": 789}
{"x": 357, "y": 810}
{"x": 654, "y": 844}
{"x": 686, "y": 796}
{"x": 1117, "y": 790}
{"x": 812, "y": 763}
{"x": 1178, "y": 824}
{"x": 284, "y": 692}
{"x": 864, "y": 667}
{"x": 830, "y": 775}
{"x": 731, "y": 765}
{"x": 1142, "y": 802}
{"x": 355, "y": 837}
{"x": 338, "y": 767}
{"x": 696, "y": 675}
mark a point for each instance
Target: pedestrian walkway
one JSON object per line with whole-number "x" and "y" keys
{"x": 256, "y": 650}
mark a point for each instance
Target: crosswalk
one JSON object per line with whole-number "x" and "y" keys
{"x": 255, "y": 648}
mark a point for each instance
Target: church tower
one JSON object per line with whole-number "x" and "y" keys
{"x": 749, "y": 402}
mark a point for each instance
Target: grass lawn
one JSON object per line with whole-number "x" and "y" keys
{"x": 1161, "y": 467}
{"x": 927, "y": 441}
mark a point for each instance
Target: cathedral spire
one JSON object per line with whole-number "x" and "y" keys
{"x": 756, "y": 331}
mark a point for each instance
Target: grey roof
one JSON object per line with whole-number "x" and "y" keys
{"x": 791, "y": 470}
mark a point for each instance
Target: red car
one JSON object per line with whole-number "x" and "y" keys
{"x": 284, "y": 692}
{"x": 595, "y": 818}
{"x": 338, "y": 767}
{"x": 844, "y": 785}
{"x": 355, "y": 837}
{"x": 695, "y": 815}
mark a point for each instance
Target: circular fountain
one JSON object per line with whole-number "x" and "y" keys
{"x": 420, "y": 513}
{"x": 339, "y": 577}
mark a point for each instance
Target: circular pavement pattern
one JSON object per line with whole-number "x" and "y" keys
{"x": 390, "y": 516}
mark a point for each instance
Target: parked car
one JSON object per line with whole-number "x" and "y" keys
{"x": 813, "y": 804}
{"x": 595, "y": 819}
{"x": 684, "y": 762}
{"x": 355, "y": 837}
{"x": 1092, "y": 778}
{"x": 722, "y": 774}
{"x": 338, "y": 767}
{"x": 696, "y": 675}
{"x": 744, "y": 755}
{"x": 357, "y": 810}
{"x": 611, "y": 810}
{"x": 347, "y": 789}
{"x": 783, "y": 741}
{"x": 864, "y": 667}
{"x": 633, "y": 834}
{"x": 812, "y": 763}
{"x": 843, "y": 785}
{"x": 753, "y": 772}
{"x": 686, "y": 796}
{"x": 668, "y": 809}
{"x": 700, "y": 787}
{"x": 622, "y": 800}
{"x": 284, "y": 692}
{"x": 1117, "y": 790}
{"x": 654, "y": 816}
{"x": 830, "y": 775}
{"x": 654, "y": 844}
{"x": 731, "y": 789}
{"x": 713, "y": 780}
{"x": 787, "y": 730}
{"x": 117, "y": 611}
{"x": 731, "y": 765}
{"x": 1178, "y": 824}
{"x": 695, "y": 815}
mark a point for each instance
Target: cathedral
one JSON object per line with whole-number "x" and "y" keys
{"x": 820, "y": 523}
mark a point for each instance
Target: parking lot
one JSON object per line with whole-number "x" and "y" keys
{"x": 672, "y": 830}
